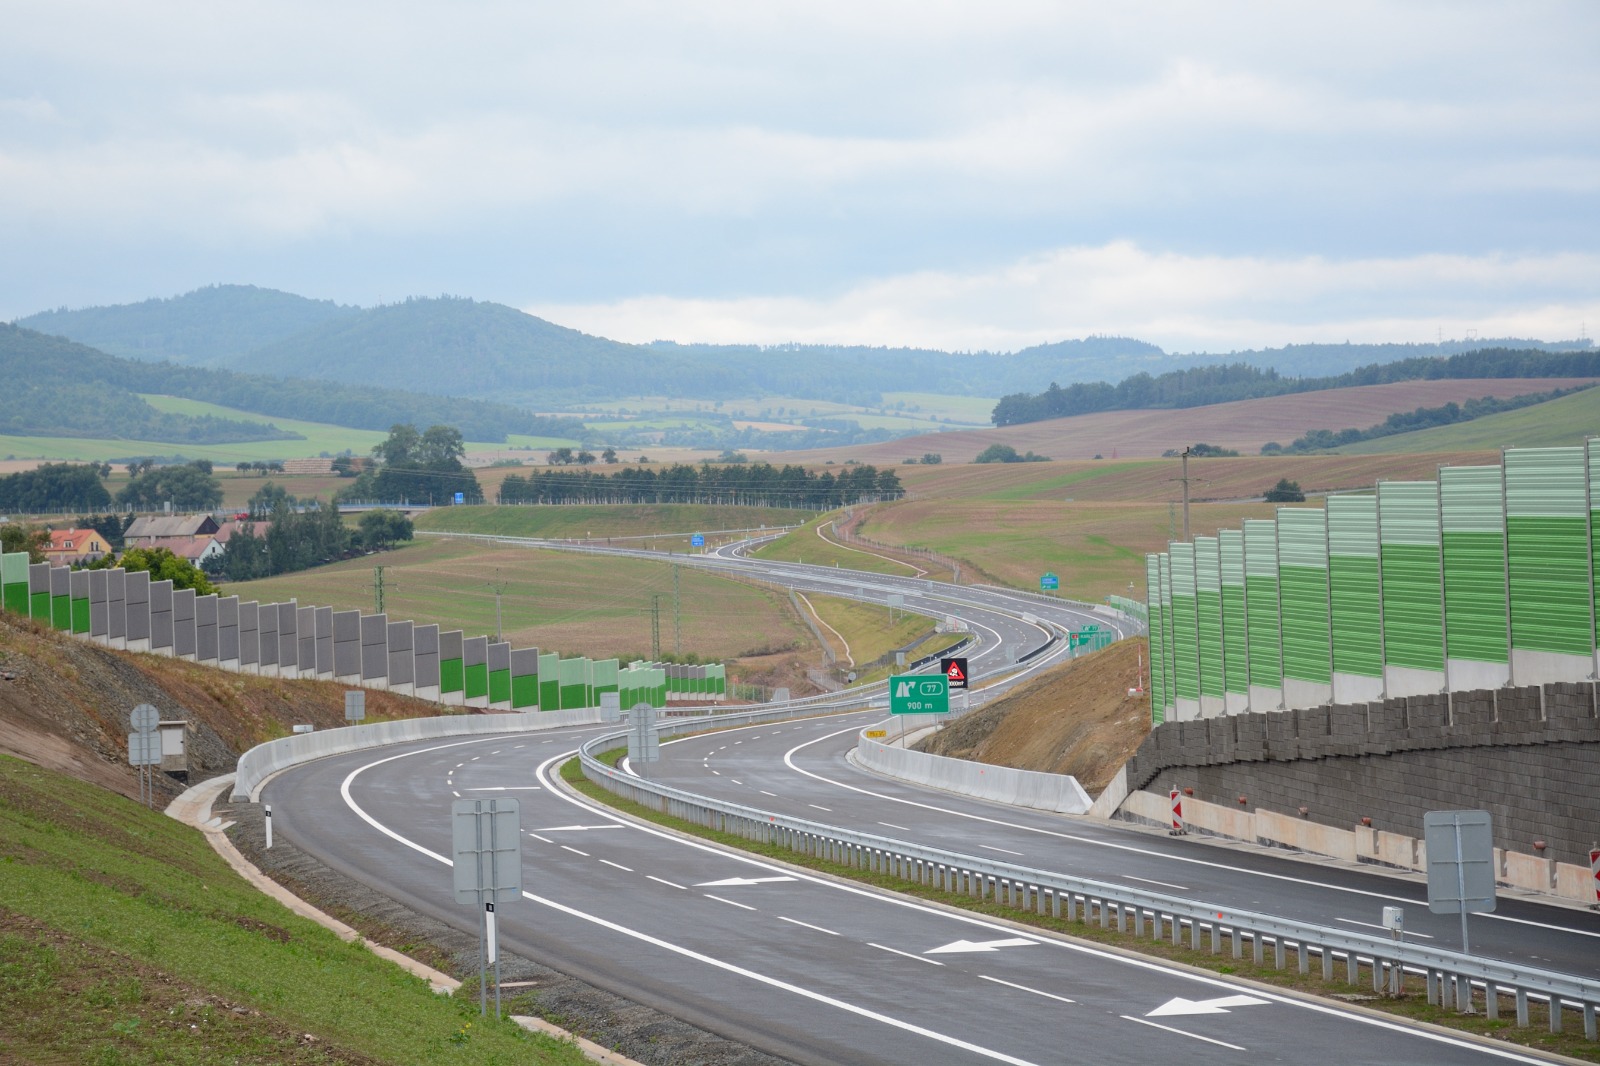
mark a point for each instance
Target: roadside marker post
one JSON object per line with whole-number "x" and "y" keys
{"x": 486, "y": 849}
{"x": 1594, "y": 869}
{"x": 1177, "y": 829}
{"x": 267, "y": 821}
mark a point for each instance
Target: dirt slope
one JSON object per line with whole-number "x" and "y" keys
{"x": 1077, "y": 719}
{"x": 1244, "y": 425}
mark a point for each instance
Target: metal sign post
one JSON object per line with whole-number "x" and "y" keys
{"x": 486, "y": 847}
{"x": 644, "y": 739}
{"x": 355, "y": 705}
{"x": 1460, "y": 870}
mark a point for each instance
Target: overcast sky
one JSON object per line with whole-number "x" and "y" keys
{"x": 960, "y": 175}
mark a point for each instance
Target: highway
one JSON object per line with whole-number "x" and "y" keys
{"x": 818, "y": 971}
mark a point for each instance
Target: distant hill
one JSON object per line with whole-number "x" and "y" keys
{"x": 214, "y": 326}
{"x": 56, "y": 387}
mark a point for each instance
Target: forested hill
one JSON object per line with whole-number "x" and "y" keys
{"x": 56, "y": 387}
{"x": 213, "y": 326}
{"x": 1203, "y": 386}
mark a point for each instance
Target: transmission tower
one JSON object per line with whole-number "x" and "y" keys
{"x": 655, "y": 627}
{"x": 497, "y": 587}
{"x": 377, "y": 588}
{"x": 677, "y": 614}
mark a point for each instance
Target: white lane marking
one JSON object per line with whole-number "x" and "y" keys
{"x": 1373, "y": 925}
{"x": 891, "y": 825}
{"x": 788, "y": 759}
{"x": 732, "y": 882}
{"x": 547, "y": 742}
{"x": 475, "y": 758}
{"x": 906, "y": 954}
{"x": 508, "y": 788}
{"x": 729, "y": 902}
{"x": 669, "y": 884}
{"x": 1180, "y": 1032}
{"x": 575, "y": 851}
{"x": 514, "y": 747}
{"x": 1163, "y": 884}
{"x": 735, "y": 780}
{"x": 961, "y": 947}
{"x": 1025, "y": 988}
{"x": 820, "y": 808}
{"x": 575, "y": 828}
{"x": 717, "y": 772}
{"x": 618, "y": 865}
{"x": 1221, "y": 1005}
{"x": 764, "y": 792}
{"x": 808, "y": 925}
{"x": 1002, "y": 851}
{"x": 495, "y": 752}
{"x": 454, "y": 793}
{"x": 536, "y": 836}
{"x": 459, "y": 765}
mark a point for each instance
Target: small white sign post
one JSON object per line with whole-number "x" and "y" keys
{"x": 644, "y": 739}
{"x": 355, "y": 705}
{"x": 486, "y": 838}
{"x": 144, "y": 748}
{"x": 1460, "y": 873}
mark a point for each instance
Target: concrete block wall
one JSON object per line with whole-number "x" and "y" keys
{"x": 1530, "y": 756}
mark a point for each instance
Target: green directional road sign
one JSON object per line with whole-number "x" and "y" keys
{"x": 1049, "y": 582}
{"x": 919, "y": 694}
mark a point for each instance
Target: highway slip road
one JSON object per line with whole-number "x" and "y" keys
{"x": 800, "y": 966}
{"x": 800, "y": 769}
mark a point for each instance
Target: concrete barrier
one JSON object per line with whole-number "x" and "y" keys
{"x": 1023, "y": 788}
{"x": 264, "y": 760}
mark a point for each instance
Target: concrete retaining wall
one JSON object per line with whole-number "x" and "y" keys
{"x": 1024, "y": 788}
{"x": 264, "y": 760}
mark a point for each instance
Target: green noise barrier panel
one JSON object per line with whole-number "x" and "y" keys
{"x": 1548, "y": 550}
{"x": 550, "y": 682}
{"x": 1472, "y": 523}
{"x": 1409, "y": 557}
{"x": 1208, "y": 606}
{"x": 1168, "y": 697}
{"x": 1355, "y": 604}
{"x": 1234, "y": 640}
{"x": 1262, "y": 613}
{"x": 1185, "y": 624}
{"x": 14, "y": 579}
{"x": 1152, "y": 577}
{"x": 1303, "y": 588}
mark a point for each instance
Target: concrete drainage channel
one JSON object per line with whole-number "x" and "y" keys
{"x": 1448, "y": 976}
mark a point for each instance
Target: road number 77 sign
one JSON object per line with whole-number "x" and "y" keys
{"x": 919, "y": 694}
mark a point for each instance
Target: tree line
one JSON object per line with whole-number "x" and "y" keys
{"x": 1205, "y": 385}
{"x": 1411, "y": 421}
{"x": 757, "y": 484}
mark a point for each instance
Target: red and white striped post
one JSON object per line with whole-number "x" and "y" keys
{"x": 1594, "y": 870}
{"x": 1177, "y": 813}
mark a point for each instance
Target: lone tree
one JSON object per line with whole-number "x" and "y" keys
{"x": 1286, "y": 491}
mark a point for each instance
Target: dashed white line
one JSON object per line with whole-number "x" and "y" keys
{"x": 891, "y": 825}
{"x": 669, "y": 884}
{"x": 1180, "y": 1032}
{"x": 808, "y": 925}
{"x": 1002, "y": 851}
{"x": 729, "y": 902}
{"x": 1165, "y": 884}
{"x": 735, "y": 780}
{"x": 618, "y": 865}
{"x": 454, "y": 793}
{"x": 717, "y": 772}
{"x": 574, "y": 851}
{"x": 820, "y": 808}
{"x": 907, "y": 954}
{"x": 1025, "y": 988}
{"x": 537, "y": 837}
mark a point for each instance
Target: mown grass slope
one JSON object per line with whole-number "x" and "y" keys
{"x": 125, "y": 939}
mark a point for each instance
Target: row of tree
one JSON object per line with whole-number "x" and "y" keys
{"x": 1411, "y": 421}
{"x": 1204, "y": 385}
{"x": 298, "y": 539}
{"x": 756, "y": 484}
{"x": 417, "y": 467}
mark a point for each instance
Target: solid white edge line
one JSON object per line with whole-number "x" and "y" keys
{"x": 1025, "y": 988}
{"x": 1180, "y": 1032}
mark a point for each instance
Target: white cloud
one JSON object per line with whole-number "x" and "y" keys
{"x": 1183, "y": 303}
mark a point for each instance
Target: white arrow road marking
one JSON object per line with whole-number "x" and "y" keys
{"x": 732, "y": 881}
{"x": 1203, "y": 1006}
{"x": 575, "y": 828}
{"x": 980, "y": 945}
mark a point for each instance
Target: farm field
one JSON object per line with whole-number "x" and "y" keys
{"x": 556, "y": 601}
{"x": 807, "y": 545}
{"x": 1244, "y": 425}
{"x": 1567, "y": 420}
{"x": 668, "y": 526}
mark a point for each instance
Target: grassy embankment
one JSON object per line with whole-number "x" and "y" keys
{"x": 1565, "y": 421}
{"x": 1412, "y": 1006}
{"x": 860, "y": 633}
{"x": 808, "y": 544}
{"x": 667, "y": 526}
{"x": 124, "y": 938}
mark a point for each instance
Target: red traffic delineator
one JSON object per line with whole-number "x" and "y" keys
{"x": 1594, "y": 870}
{"x": 1177, "y": 814}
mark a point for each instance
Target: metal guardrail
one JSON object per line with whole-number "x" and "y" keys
{"x": 1387, "y": 962}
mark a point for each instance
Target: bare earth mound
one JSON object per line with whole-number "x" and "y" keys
{"x": 1077, "y": 719}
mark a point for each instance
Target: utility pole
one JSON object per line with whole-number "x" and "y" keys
{"x": 1185, "y": 493}
{"x": 655, "y": 627}
{"x": 497, "y": 587}
{"x": 677, "y": 614}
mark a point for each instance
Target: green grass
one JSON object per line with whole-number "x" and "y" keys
{"x": 805, "y": 546}
{"x": 673, "y": 522}
{"x": 969, "y": 410}
{"x": 1411, "y": 1006}
{"x": 867, "y": 626}
{"x": 125, "y": 939}
{"x": 1567, "y": 420}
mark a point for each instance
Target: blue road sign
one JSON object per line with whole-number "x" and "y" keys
{"x": 698, "y": 540}
{"x": 461, "y": 497}
{"x": 1049, "y": 583}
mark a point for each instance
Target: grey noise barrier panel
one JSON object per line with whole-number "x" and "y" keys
{"x": 425, "y": 644}
{"x": 1144, "y": 913}
{"x": 267, "y": 636}
{"x": 305, "y": 627}
{"x": 183, "y": 622}
{"x": 161, "y": 616}
{"x": 250, "y": 634}
{"x": 322, "y": 626}
{"x": 117, "y": 605}
{"x": 347, "y": 645}
{"x": 138, "y": 594}
{"x": 288, "y": 641}
{"x": 99, "y": 604}
{"x": 400, "y": 654}
{"x": 374, "y": 647}
{"x": 228, "y": 629}
{"x": 205, "y": 629}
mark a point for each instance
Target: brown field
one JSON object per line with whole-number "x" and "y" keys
{"x": 1244, "y": 425}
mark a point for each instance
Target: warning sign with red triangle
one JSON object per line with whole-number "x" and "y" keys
{"x": 955, "y": 670}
